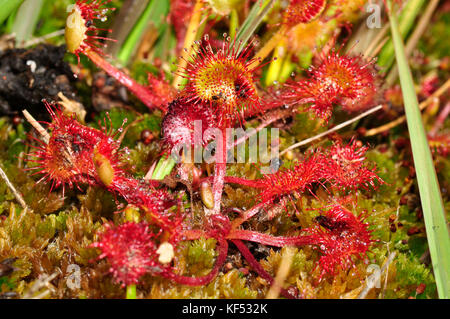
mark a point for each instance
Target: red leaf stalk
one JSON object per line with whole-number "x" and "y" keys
{"x": 140, "y": 91}
{"x": 257, "y": 266}
{"x": 266, "y": 239}
{"x": 82, "y": 38}
{"x": 200, "y": 281}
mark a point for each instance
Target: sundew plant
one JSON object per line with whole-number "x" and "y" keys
{"x": 224, "y": 149}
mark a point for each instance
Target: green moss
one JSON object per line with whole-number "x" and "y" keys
{"x": 306, "y": 125}
{"x": 409, "y": 274}
{"x": 234, "y": 286}
{"x": 200, "y": 256}
{"x": 430, "y": 44}
{"x": 59, "y": 230}
{"x": 301, "y": 264}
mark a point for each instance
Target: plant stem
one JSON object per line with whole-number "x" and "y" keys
{"x": 269, "y": 46}
{"x": 254, "y": 18}
{"x": 334, "y": 129}
{"x": 409, "y": 13}
{"x": 402, "y": 119}
{"x": 191, "y": 34}
{"x": 282, "y": 273}
{"x": 275, "y": 66}
{"x": 131, "y": 292}
{"x": 163, "y": 168}
{"x": 247, "y": 215}
{"x": 13, "y": 189}
{"x": 270, "y": 240}
{"x": 257, "y": 266}
{"x": 414, "y": 38}
{"x": 153, "y": 13}
{"x": 430, "y": 196}
{"x": 201, "y": 281}
{"x": 220, "y": 170}
{"x": 8, "y": 6}
{"x": 376, "y": 41}
{"x": 143, "y": 93}
{"x": 124, "y": 22}
{"x": 242, "y": 181}
{"x": 41, "y": 130}
{"x": 41, "y": 39}
{"x": 26, "y": 20}
{"x": 234, "y": 23}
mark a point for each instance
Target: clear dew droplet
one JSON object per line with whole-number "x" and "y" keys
{"x": 293, "y": 74}
{"x": 206, "y": 37}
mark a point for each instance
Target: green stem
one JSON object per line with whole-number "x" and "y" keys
{"x": 254, "y": 18}
{"x": 234, "y": 23}
{"x": 275, "y": 66}
{"x": 163, "y": 168}
{"x": 131, "y": 292}
{"x": 7, "y": 7}
{"x": 26, "y": 20}
{"x": 153, "y": 13}
{"x": 430, "y": 196}
{"x": 124, "y": 22}
{"x": 407, "y": 17}
{"x": 287, "y": 69}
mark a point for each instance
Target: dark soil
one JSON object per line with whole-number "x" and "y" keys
{"x": 29, "y": 75}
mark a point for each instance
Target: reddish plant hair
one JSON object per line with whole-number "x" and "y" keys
{"x": 339, "y": 79}
{"x": 131, "y": 251}
{"x": 66, "y": 158}
{"x": 81, "y": 33}
{"x": 223, "y": 79}
{"x": 341, "y": 237}
{"x": 302, "y": 11}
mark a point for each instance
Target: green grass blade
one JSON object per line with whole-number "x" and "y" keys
{"x": 154, "y": 13}
{"x": 163, "y": 168}
{"x": 7, "y": 7}
{"x": 131, "y": 292}
{"x": 124, "y": 22}
{"x": 430, "y": 196}
{"x": 234, "y": 23}
{"x": 26, "y": 20}
{"x": 406, "y": 21}
{"x": 254, "y": 18}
